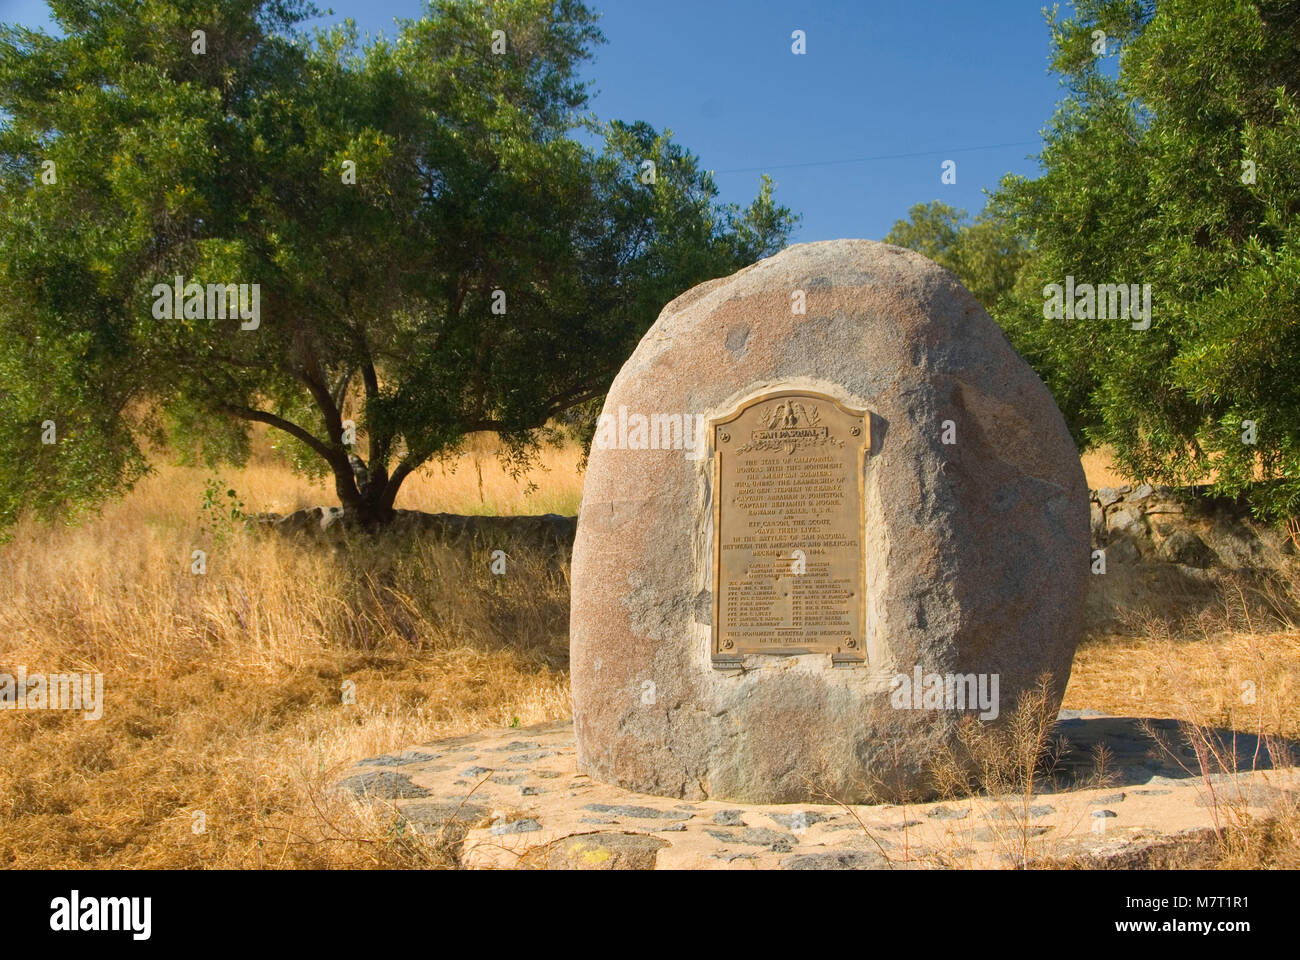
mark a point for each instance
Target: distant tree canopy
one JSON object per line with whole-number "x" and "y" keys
{"x": 1182, "y": 172}
{"x": 434, "y": 253}
{"x": 984, "y": 253}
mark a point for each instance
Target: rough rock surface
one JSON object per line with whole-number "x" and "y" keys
{"x": 976, "y": 551}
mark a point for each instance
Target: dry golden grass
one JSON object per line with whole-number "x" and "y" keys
{"x": 1226, "y": 679}
{"x": 1231, "y": 670}
{"x": 473, "y": 482}
{"x": 224, "y": 691}
{"x": 1099, "y": 468}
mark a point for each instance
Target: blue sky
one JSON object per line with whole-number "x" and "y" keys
{"x": 930, "y": 79}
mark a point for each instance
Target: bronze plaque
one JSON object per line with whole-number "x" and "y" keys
{"x": 788, "y": 570}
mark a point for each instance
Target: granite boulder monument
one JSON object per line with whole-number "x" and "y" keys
{"x": 828, "y": 513}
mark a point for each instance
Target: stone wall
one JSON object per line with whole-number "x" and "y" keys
{"x": 1184, "y": 526}
{"x": 1174, "y": 554}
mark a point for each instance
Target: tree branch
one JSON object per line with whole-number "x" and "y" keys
{"x": 341, "y": 388}
{"x": 263, "y": 416}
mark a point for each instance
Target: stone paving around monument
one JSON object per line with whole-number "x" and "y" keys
{"x": 512, "y": 798}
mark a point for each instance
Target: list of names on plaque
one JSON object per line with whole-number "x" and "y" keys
{"x": 788, "y": 560}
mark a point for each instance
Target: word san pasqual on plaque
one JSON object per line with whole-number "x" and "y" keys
{"x": 788, "y": 561}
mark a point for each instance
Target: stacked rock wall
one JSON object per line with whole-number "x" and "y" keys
{"x": 1184, "y": 526}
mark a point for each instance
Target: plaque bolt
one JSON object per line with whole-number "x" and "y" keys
{"x": 856, "y": 431}
{"x": 727, "y": 644}
{"x": 850, "y": 643}
{"x": 724, "y": 436}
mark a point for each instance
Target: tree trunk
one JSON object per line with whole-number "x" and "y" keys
{"x": 367, "y": 495}
{"x": 370, "y": 513}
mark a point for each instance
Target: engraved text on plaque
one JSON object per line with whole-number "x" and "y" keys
{"x": 788, "y": 525}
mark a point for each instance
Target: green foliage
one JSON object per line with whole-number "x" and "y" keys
{"x": 984, "y": 253}
{"x": 221, "y": 510}
{"x": 376, "y": 297}
{"x": 934, "y": 230}
{"x": 1144, "y": 181}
